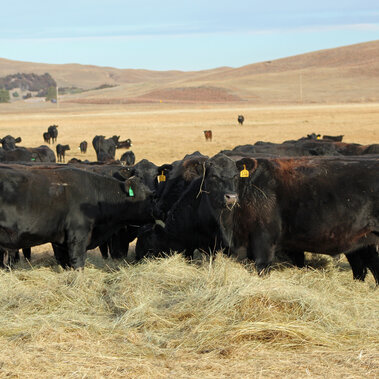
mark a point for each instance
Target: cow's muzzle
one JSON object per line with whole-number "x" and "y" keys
{"x": 230, "y": 199}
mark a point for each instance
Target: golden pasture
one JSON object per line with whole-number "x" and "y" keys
{"x": 165, "y": 132}
{"x": 169, "y": 318}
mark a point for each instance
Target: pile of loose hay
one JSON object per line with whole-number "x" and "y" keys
{"x": 167, "y": 317}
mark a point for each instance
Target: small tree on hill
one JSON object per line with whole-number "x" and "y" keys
{"x": 51, "y": 93}
{"x": 4, "y": 96}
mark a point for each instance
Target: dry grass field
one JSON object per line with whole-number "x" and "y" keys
{"x": 168, "y": 318}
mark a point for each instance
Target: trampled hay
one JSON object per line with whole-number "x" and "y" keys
{"x": 120, "y": 319}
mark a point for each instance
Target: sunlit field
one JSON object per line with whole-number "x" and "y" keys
{"x": 210, "y": 318}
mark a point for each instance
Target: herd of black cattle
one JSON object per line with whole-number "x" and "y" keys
{"x": 255, "y": 201}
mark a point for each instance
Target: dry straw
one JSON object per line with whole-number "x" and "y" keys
{"x": 168, "y": 317}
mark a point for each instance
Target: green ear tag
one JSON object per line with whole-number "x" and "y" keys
{"x": 131, "y": 193}
{"x": 33, "y": 159}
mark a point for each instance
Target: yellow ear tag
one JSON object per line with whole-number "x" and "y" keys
{"x": 244, "y": 173}
{"x": 318, "y": 137}
{"x": 162, "y": 177}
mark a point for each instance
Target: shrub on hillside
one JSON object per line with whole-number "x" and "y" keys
{"x": 4, "y": 96}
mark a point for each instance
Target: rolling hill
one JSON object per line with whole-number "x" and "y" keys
{"x": 339, "y": 75}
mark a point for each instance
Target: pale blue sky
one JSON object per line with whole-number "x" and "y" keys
{"x": 180, "y": 34}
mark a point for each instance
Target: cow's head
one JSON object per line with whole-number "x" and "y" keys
{"x": 115, "y": 139}
{"x": 219, "y": 190}
{"x": 146, "y": 170}
{"x": 221, "y": 182}
{"x": 141, "y": 197}
{"x": 173, "y": 179}
{"x": 9, "y": 142}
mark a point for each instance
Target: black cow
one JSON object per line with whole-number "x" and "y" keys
{"x": 9, "y": 142}
{"x": 61, "y": 151}
{"x": 53, "y": 132}
{"x": 174, "y": 178}
{"x": 313, "y": 136}
{"x": 105, "y": 148}
{"x": 46, "y": 137}
{"x": 129, "y": 158}
{"x": 333, "y": 138}
{"x": 124, "y": 144}
{"x": 371, "y": 149}
{"x": 241, "y": 119}
{"x": 118, "y": 244}
{"x": 74, "y": 209}
{"x": 323, "y": 205}
{"x": 83, "y": 147}
{"x": 306, "y": 147}
{"x": 191, "y": 222}
{"x": 31, "y": 154}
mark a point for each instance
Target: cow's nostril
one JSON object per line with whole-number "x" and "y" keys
{"x": 230, "y": 198}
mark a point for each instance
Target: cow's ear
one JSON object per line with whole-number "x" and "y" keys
{"x": 18, "y": 140}
{"x": 165, "y": 168}
{"x": 123, "y": 174}
{"x": 162, "y": 172}
{"x": 136, "y": 189}
{"x": 1, "y": 140}
{"x": 130, "y": 186}
{"x": 193, "y": 168}
{"x": 246, "y": 166}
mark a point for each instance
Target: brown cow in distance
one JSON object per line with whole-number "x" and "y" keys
{"x": 208, "y": 135}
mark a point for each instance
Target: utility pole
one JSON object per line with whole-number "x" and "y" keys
{"x": 301, "y": 87}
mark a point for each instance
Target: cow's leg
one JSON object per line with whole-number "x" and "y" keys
{"x": 356, "y": 263}
{"x": 140, "y": 250}
{"x": 13, "y": 256}
{"x": 2, "y": 257}
{"x": 104, "y": 250}
{"x": 128, "y": 234}
{"x": 27, "y": 251}
{"x": 370, "y": 258}
{"x": 262, "y": 250}
{"x": 61, "y": 255}
{"x": 297, "y": 257}
{"x": 188, "y": 253}
{"x": 117, "y": 246}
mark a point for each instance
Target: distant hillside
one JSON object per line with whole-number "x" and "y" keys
{"x": 344, "y": 74}
{"x": 23, "y": 86}
{"x": 30, "y": 82}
